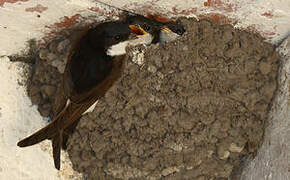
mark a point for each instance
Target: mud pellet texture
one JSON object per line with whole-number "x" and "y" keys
{"x": 47, "y": 70}
{"x": 195, "y": 109}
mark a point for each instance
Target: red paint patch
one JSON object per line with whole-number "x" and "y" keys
{"x": 67, "y": 22}
{"x": 220, "y": 5}
{"x": 268, "y": 14}
{"x": 2, "y": 2}
{"x": 174, "y": 9}
{"x": 104, "y": 12}
{"x": 38, "y": 8}
{"x": 188, "y": 11}
{"x": 73, "y": 23}
{"x": 219, "y": 18}
{"x": 253, "y": 29}
{"x": 184, "y": 11}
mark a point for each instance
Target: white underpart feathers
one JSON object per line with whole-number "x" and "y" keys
{"x": 67, "y": 102}
{"x": 90, "y": 109}
{"x": 147, "y": 38}
{"x": 167, "y": 36}
{"x": 120, "y": 48}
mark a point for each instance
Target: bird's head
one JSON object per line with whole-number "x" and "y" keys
{"x": 171, "y": 31}
{"x": 114, "y": 37}
{"x": 158, "y": 29}
{"x": 135, "y": 35}
{"x": 107, "y": 34}
{"x": 150, "y": 26}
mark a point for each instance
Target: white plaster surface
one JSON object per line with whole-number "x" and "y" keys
{"x": 18, "y": 26}
{"x": 19, "y": 119}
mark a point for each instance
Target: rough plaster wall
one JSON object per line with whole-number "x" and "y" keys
{"x": 16, "y": 116}
{"x": 21, "y": 20}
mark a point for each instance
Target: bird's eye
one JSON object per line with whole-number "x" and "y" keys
{"x": 146, "y": 27}
{"x": 117, "y": 37}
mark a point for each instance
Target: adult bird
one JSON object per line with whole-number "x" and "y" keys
{"x": 94, "y": 64}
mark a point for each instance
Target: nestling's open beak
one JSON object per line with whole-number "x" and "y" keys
{"x": 137, "y": 31}
{"x": 140, "y": 35}
{"x": 165, "y": 29}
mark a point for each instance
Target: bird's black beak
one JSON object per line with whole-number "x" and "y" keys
{"x": 137, "y": 31}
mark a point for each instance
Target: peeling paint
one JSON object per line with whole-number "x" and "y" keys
{"x": 268, "y": 14}
{"x": 2, "y": 2}
{"x": 218, "y": 4}
{"x": 38, "y": 8}
{"x": 185, "y": 12}
{"x": 68, "y": 21}
{"x": 221, "y": 5}
{"x": 256, "y": 29}
{"x": 218, "y": 18}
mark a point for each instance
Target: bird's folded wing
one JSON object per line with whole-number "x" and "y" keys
{"x": 102, "y": 87}
{"x": 73, "y": 111}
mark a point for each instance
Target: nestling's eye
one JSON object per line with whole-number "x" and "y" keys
{"x": 146, "y": 27}
{"x": 117, "y": 37}
{"x": 179, "y": 31}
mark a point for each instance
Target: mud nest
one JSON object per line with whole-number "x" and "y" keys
{"x": 195, "y": 109}
{"x": 47, "y": 69}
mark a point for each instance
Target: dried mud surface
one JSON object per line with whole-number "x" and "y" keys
{"x": 195, "y": 109}
{"x": 47, "y": 67}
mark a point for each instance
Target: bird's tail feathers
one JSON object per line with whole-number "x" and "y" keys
{"x": 47, "y": 132}
{"x": 56, "y": 149}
